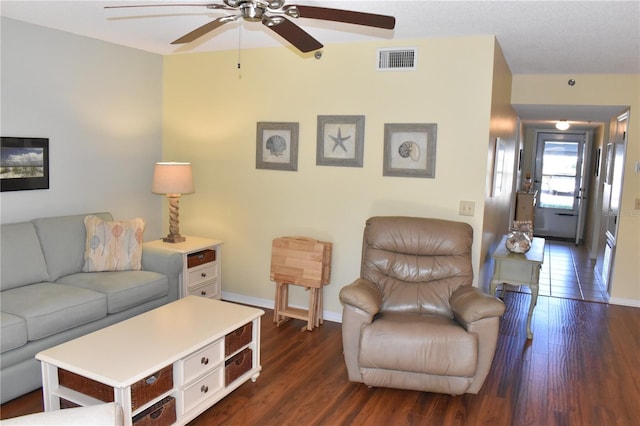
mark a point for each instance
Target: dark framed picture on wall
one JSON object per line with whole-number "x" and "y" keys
{"x": 24, "y": 163}
{"x": 410, "y": 150}
{"x": 340, "y": 140}
{"x": 277, "y": 146}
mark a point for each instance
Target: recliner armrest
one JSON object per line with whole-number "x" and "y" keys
{"x": 469, "y": 304}
{"x": 362, "y": 294}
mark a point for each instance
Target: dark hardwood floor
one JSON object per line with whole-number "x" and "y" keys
{"x": 581, "y": 368}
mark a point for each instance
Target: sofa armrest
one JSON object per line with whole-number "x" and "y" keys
{"x": 166, "y": 262}
{"x": 362, "y": 294}
{"x": 469, "y": 304}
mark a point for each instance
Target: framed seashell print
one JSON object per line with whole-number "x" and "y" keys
{"x": 410, "y": 150}
{"x": 277, "y": 146}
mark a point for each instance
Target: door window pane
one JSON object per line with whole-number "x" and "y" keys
{"x": 559, "y": 173}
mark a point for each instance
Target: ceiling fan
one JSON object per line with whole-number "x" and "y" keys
{"x": 273, "y": 14}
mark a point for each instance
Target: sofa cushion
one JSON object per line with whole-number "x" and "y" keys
{"x": 429, "y": 344}
{"x": 50, "y": 308}
{"x": 113, "y": 246}
{"x": 62, "y": 240}
{"x": 13, "y": 331}
{"x": 21, "y": 257}
{"x": 123, "y": 289}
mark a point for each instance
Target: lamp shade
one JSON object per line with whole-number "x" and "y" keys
{"x": 172, "y": 178}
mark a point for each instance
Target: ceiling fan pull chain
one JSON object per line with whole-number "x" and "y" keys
{"x": 239, "y": 42}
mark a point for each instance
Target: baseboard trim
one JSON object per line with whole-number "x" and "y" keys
{"x": 268, "y": 304}
{"x": 634, "y": 303}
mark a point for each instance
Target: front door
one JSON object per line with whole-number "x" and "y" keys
{"x": 558, "y": 180}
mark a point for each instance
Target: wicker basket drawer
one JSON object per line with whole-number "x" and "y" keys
{"x": 85, "y": 386}
{"x": 237, "y": 366}
{"x": 208, "y": 289}
{"x": 151, "y": 387}
{"x": 203, "y": 388}
{"x": 200, "y": 258}
{"x": 203, "y": 361}
{"x": 64, "y": 403}
{"x": 162, "y": 413}
{"x": 238, "y": 338}
{"x": 202, "y": 274}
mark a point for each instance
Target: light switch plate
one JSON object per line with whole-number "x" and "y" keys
{"x": 467, "y": 208}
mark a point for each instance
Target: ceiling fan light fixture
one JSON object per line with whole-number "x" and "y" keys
{"x": 562, "y": 125}
{"x": 252, "y": 12}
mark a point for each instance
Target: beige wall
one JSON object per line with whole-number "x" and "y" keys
{"x": 602, "y": 90}
{"x": 497, "y": 208}
{"x": 210, "y": 114}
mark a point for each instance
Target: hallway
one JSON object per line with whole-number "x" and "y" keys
{"x": 568, "y": 272}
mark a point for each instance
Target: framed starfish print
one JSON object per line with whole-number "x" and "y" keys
{"x": 340, "y": 140}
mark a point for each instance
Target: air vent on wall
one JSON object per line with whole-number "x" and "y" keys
{"x": 397, "y": 59}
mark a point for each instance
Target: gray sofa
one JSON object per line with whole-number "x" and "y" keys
{"x": 46, "y": 299}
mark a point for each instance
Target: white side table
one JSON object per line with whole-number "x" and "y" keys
{"x": 519, "y": 269}
{"x": 201, "y": 265}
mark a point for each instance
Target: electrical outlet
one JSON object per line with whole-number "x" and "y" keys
{"x": 467, "y": 208}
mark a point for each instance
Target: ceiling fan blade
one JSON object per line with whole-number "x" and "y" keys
{"x": 292, "y": 33}
{"x": 347, "y": 16}
{"x": 208, "y": 6}
{"x": 206, "y": 28}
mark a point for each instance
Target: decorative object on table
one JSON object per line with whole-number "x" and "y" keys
{"x": 304, "y": 262}
{"x": 173, "y": 179}
{"x": 277, "y": 146}
{"x": 340, "y": 140}
{"x": 527, "y": 185}
{"x": 518, "y": 242}
{"x": 525, "y": 226}
{"x": 410, "y": 150}
{"x": 24, "y": 163}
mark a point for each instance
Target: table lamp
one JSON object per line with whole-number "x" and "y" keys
{"x": 173, "y": 179}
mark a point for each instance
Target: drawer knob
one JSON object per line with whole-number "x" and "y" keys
{"x": 203, "y": 274}
{"x": 203, "y": 293}
{"x": 204, "y": 360}
{"x": 151, "y": 380}
{"x": 204, "y": 389}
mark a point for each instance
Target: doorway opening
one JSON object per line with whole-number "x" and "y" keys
{"x": 559, "y": 183}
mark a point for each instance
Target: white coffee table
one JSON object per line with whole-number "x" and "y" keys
{"x": 188, "y": 334}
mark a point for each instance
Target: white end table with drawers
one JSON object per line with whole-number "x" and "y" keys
{"x": 166, "y": 365}
{"x": 201, "y": 265}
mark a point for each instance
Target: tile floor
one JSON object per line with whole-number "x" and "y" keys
{"x": 567, "y": 272}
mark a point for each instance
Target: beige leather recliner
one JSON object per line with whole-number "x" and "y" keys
{"x": 413, "y": 320}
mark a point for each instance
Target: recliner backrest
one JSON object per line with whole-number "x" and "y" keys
{"x": 417, "y": 262}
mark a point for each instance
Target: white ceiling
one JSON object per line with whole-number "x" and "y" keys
{"x": 537, "y": 37}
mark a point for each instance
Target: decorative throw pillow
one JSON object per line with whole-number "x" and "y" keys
{"x": 113, "y": 246}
